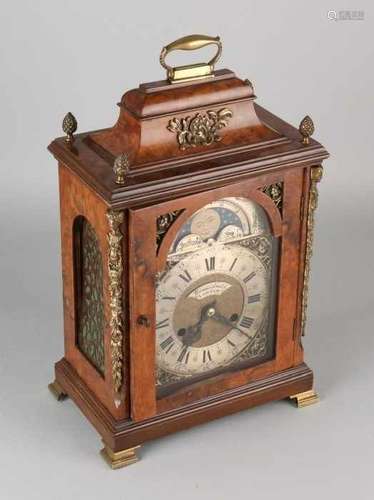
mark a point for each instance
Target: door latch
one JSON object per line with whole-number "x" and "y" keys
{"x": 143, "y": 321}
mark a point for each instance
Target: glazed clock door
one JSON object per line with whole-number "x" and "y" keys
{"x": 215, "y": 298}
{"x": 209, "y": 275}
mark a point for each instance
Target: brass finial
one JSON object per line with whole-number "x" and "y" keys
{"x": 249, "y": 83}
{"x": 306, "y": 129}
{"x": 69, "y": 126}
{"x": 121, "y": 168}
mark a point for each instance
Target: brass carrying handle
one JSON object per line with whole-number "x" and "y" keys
{"x": 192, "y": 71}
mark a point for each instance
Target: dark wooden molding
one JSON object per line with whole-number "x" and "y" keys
{"x": 122, "y": 434}
{"x": 176, "y": 177}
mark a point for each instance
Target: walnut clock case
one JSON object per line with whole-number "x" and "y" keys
{"x": 187, "y": 234}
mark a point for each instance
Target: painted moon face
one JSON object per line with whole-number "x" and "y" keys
{"x": 206, "y": 223}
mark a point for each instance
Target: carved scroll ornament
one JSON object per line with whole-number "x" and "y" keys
{"x": 115, "y": 269}
{"x": 201, "y": 129}
{"x": 315, "y": 177}
{"x": 275, "y": 192}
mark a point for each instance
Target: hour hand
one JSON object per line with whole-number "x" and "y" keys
{"x": 222, "y": 319}
{"x": 193, "y": 333}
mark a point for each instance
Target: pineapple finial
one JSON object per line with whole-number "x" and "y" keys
{"x": 121, "y": 168}
{"x": 69, "y": 126}
{"x": 306, "y": 129}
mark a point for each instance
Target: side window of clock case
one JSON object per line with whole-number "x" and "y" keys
{"x": 216, "y": 281}
{"x": 89, "y": 299}
{"x": 87, "y": 313}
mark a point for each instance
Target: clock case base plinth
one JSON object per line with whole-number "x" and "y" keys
{"x": 122, "y": 437}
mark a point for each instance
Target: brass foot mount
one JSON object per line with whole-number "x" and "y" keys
{"x": 57, "y": 391}
{"x": 306, "y": 398}
{"x": 119, "y": 459}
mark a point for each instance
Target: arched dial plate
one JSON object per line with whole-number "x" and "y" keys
{"x": 213, "y": 299}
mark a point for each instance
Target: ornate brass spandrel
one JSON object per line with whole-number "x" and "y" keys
{"x": 69, "y": 126}
{"x": 262, "y": 247}
{"x": 164, "y": 222}
{"x": 275, "y": 192}
{"x": 306, "y": 129}
{"x": 259, "y": 344}
{"x": 115, "y": 270}
{"x": 165, "y": 378}
{"x": 315, "y": 177}
{"x": 121, "y": 168}
{"x": 201, "y": 129}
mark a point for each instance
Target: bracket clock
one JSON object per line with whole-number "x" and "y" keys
{"x": 187, "y": 232}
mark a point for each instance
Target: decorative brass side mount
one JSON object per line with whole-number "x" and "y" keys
{"x": 115, "y": 270}
{"x": 192, "y": 71}
{"x": 315, "y": 177}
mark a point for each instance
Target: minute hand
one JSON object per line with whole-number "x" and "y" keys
{"x": 222, "y": 319}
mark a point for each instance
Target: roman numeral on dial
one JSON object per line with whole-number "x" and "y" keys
{"x": 162, "y": 324}
{"x": 167, "y": 344}
{"x": 246, "y": 322}
{"x": 233, "y": 264}
{"x": 185, "y": 276}
{"x": 210, "y": 263}
{"x": 254, "y": 298}
{"x": 184, "y": 355}
{"x": 206, "y": 356}
{"x": 249, "y": 277}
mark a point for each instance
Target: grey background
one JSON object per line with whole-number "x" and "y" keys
{"x": 81, "y": 56}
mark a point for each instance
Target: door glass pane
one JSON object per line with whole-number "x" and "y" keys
{"x": 215, "y": 299}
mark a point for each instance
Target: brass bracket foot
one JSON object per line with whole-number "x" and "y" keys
{"x": 118, "y": 459}
{"x": 57, "y": 391}
{"x": 305, "y": 398}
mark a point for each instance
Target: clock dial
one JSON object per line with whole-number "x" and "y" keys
{"x": 209, "y": 307}
{"x": 213, "y": 299}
